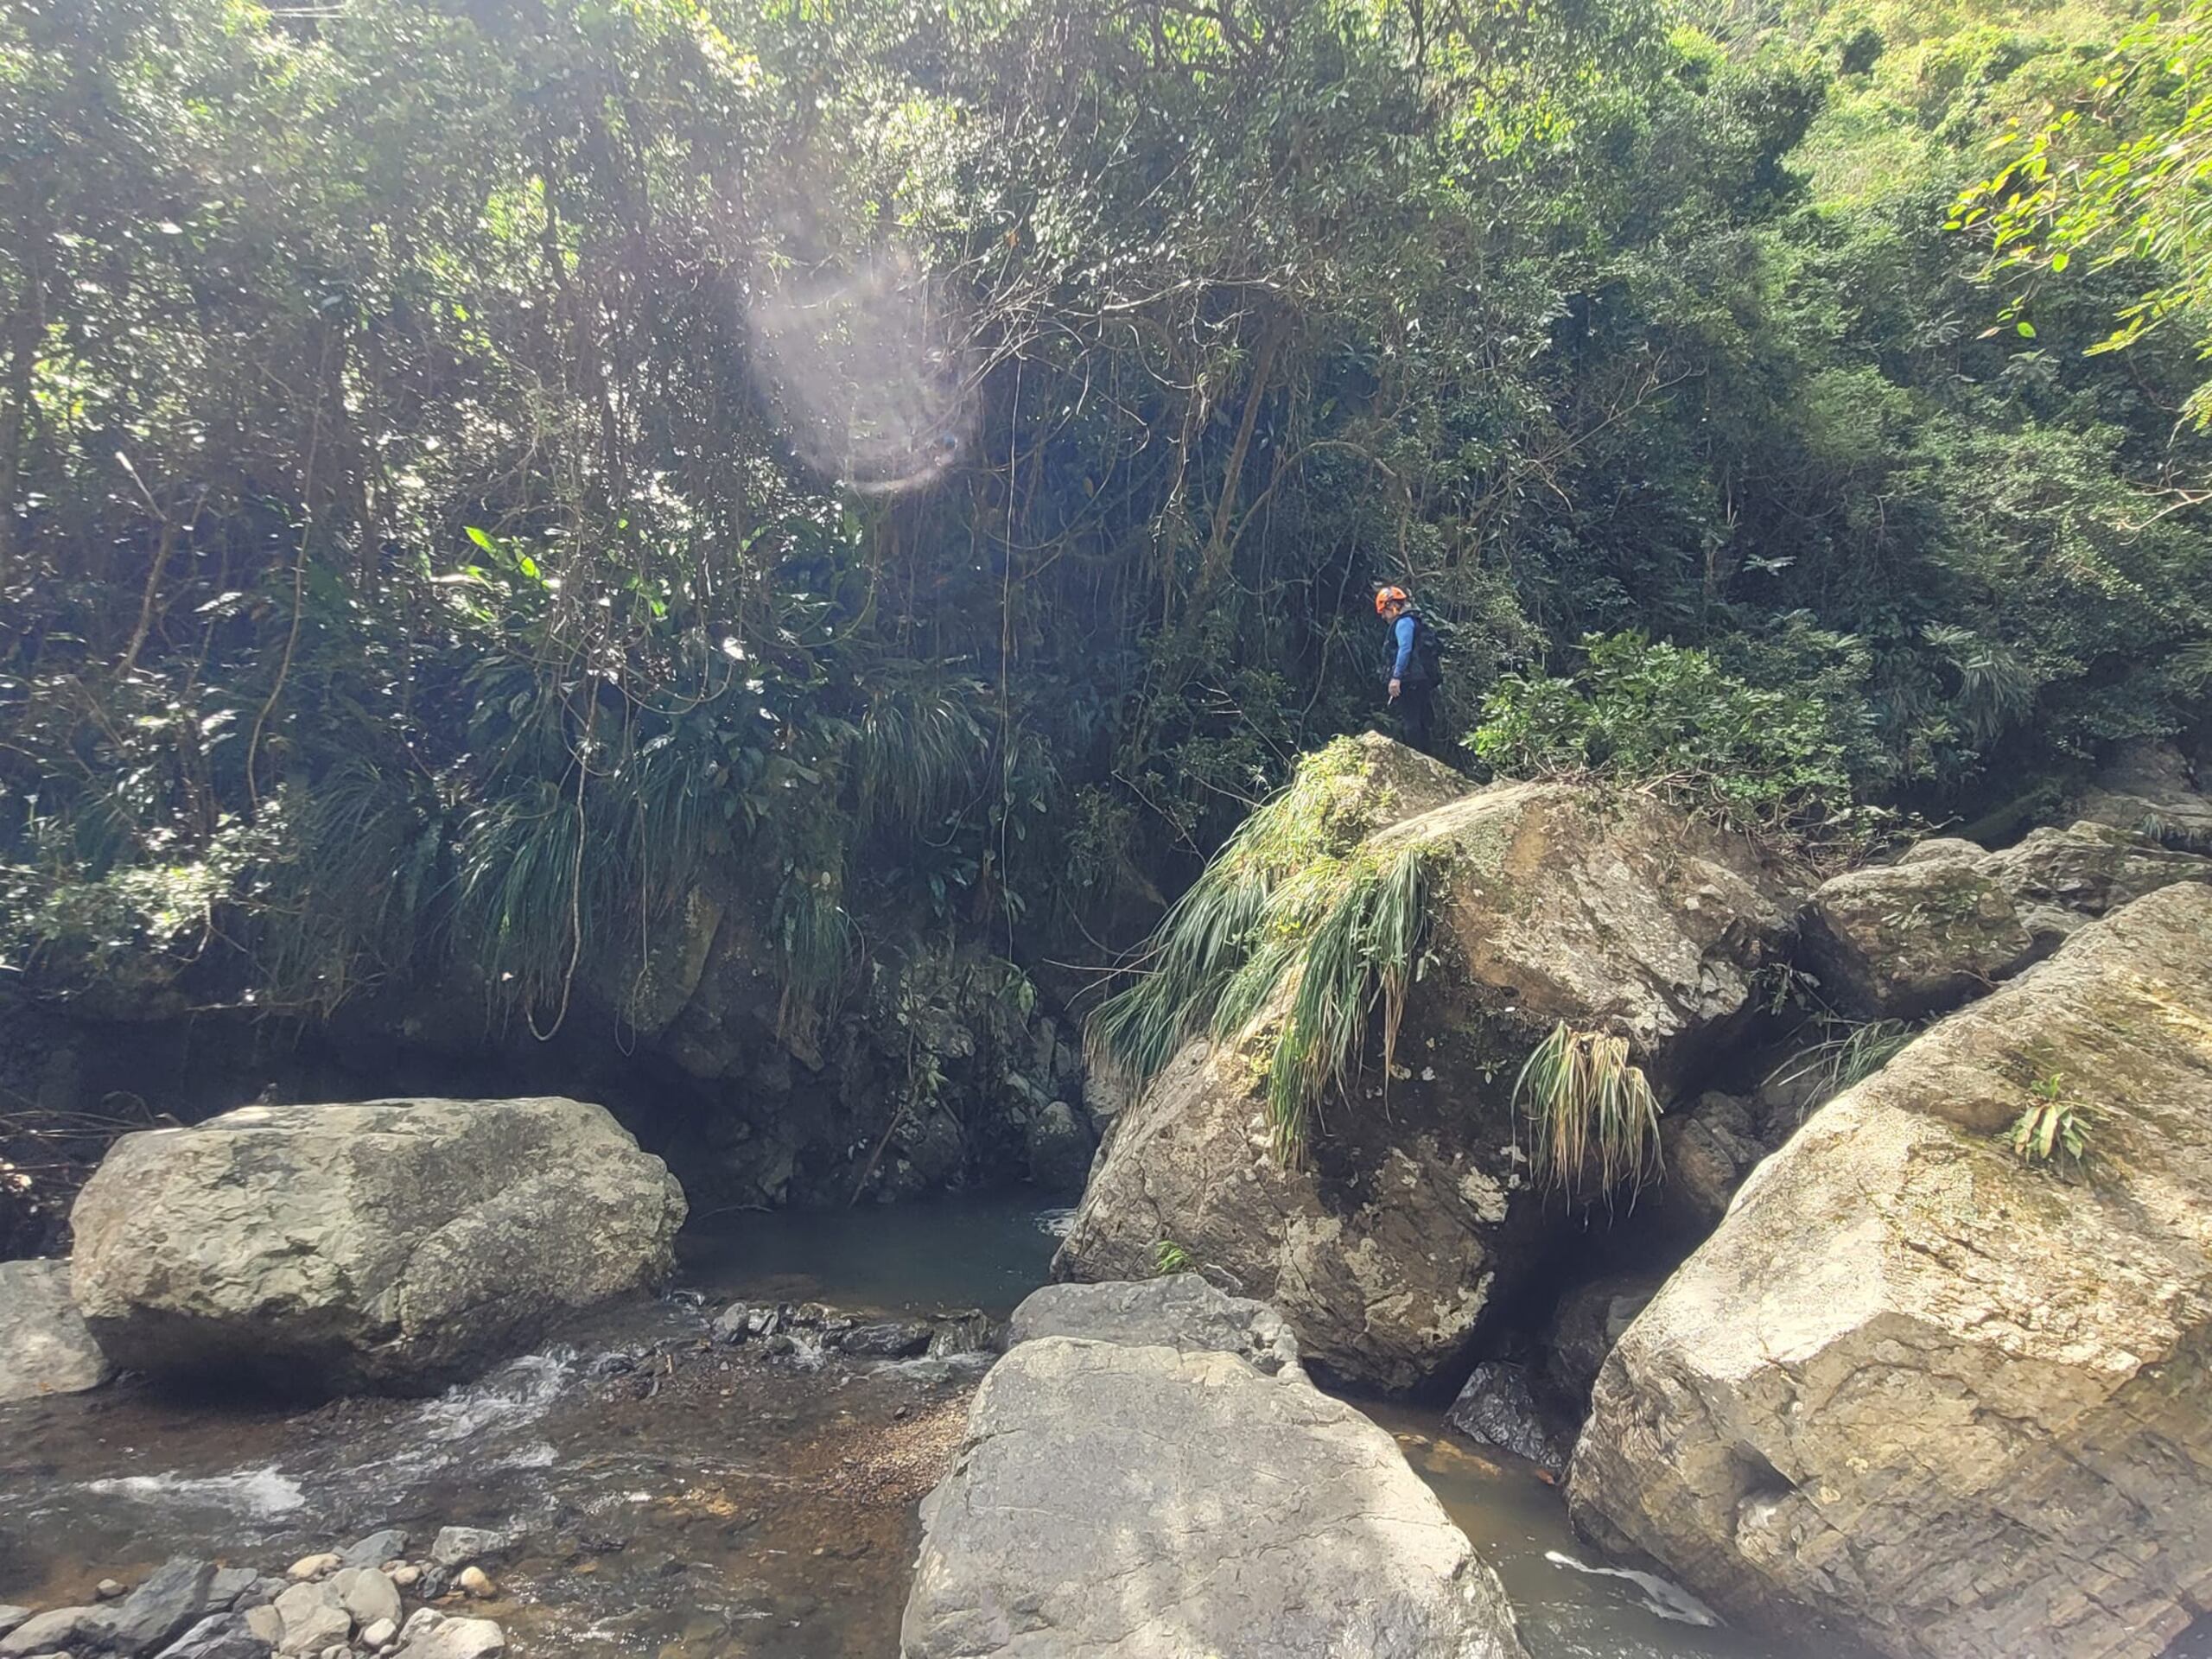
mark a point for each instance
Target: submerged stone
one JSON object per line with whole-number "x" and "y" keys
{"x": 1498, "y": 1406}
{"x": 887, "y": 1339}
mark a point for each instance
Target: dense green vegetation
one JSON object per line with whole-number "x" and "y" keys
{"x": 1764, "y": 759}
{"x": 1299, "y": 919}
{"x": 468, "y": 469}
{"x": 2116, "y": 175}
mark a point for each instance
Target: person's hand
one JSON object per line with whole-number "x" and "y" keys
{"x": 1394, "y": 690}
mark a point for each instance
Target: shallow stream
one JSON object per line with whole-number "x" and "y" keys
{"x": 682, "y": 1501}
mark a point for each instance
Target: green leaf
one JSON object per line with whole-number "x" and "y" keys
{"x": 481, "y": 539}
{"x": 2026, "y": 330}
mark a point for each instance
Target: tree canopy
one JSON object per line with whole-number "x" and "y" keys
{"x": 469, "y": 467}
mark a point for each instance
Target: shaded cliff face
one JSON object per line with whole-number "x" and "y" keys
{"x": 937, "y": 1071}
{"x": 1917, "y": 1386}
{"x": 1411, "y": 1212}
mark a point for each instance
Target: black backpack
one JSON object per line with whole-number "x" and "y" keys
{"x": 1432, "y": 643}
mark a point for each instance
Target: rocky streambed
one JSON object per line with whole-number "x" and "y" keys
{"x": 660, "y": 1490}
{"x": 666, "y": 1490}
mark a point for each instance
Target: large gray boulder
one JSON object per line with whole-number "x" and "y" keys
{"x": 2150, "y": 788}
{"x": 1116, "y": 1501}
{"x": 2059, "y": 879}
{"x": 397, "y": 1244}
{"x": 1902, "y": 939}
{"x": 1179, "y": 1310}
{"x": 1948, "y": 920}
{"x": 44, "y": 1346}
{"x": 1918, "y": 1388}
{"x": 1548, "y": 902}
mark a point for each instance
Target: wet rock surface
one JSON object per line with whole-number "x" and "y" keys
{"x": 392, "y": 1245}
{"x": 1499, "y": 1406}
{"x": 191, "y": 1609}
{"x": 1917, "y": 1388}
{"x": 1412, "y": 1213}
{"x": 654, "y": 1489}
{"x": 44, "y": 1346}
{"x": 1586, "y": 1323}
{"x": 807, "y": 1331}
{"x": 1109, "y": 1499}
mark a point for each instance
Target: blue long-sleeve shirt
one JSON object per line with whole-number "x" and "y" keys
{"x": 1404, "y": 628}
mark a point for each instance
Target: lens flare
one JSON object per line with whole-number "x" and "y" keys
{"x": 868, "y": 371}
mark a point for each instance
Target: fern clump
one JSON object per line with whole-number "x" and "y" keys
{"x": 1588, "y": 1111}
{"x": 1298, "y": 901}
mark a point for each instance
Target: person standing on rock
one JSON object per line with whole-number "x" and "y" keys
{"x": 1413, "y": 663}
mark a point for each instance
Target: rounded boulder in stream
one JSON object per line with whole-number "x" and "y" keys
{"x": 395, "y": 1246}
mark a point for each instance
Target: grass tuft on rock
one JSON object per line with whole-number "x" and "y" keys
{"x": 1589, "y": 1114}
{"x": 1852, "y": 1050}
{"x": 1295, "y": 903}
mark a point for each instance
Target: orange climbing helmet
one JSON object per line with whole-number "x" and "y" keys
{"x": 1386, "y": 597}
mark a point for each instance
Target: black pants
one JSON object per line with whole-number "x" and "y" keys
{"x": 1416, "y": 707}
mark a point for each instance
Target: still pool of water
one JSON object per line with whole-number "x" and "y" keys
{"x": 681, "y": 1501}
{"x": 983, "y": 1252}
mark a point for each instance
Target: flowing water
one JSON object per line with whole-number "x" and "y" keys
{"x": 1571, "y": 1602}
{"x": 679, "y": 1500}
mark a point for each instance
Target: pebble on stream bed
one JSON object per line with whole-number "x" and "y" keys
{"x": 332, "y": 1604}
